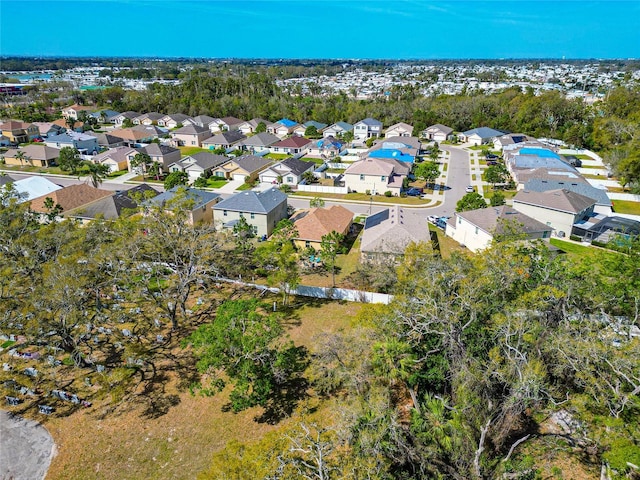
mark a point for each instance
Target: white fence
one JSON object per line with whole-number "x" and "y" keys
{"x": 323, "y": 292}
{"x": 343, "y": 294}
{"x": 322, "y": 189}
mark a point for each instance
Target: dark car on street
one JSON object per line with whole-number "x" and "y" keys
{"x": 414, "y": 192}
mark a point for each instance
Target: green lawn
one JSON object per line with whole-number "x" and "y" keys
{"x": 34, "y": 169}
{"x": 569, "y": 247}
{"x": 186, "y": 151}
{"x": 363, "y": 197}
{"x": 625, "y": 206}
{"x": 118, "y": 173}
{"x": 213, "y": 182}
{"x": 277, "y": 156}
{"x": 488, "y": 191}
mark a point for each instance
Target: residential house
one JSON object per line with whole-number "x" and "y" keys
{"x": 137, "y": 135}
{"x": 250, "y": 126}
{"x": 326, "y": 148}
{"x": 70, "y": 198}
{"x": 477, "y": 229}
{"x": 34, "y": 187}
{"x": 117, "y": 158}
{"x": 337, "y": 130}
{"x": 84, "y": 143}
{"x": 190, "y": 135}
{"x": 376, "y": 176}
{"x": 404, "y": 149}
{"x": 480, "y": 136}
{"x": 315, "y": 223}
{"x": 312, "y": 123}
{"x": 106, "y": 140}
{"x": 499, "y": 143}
{"x": 73, "y": 111}
{"x": 260, "y": 142}
{"x": 198, "y": 164}
{"x": 287, "y": 172}
{"x": 49, "y": 128}
{"x": 34, "y": 155}
{"x": 5, "y": 180}
{"x": 4, "y": 141}
{"x": 150, "y": 118}
{"x": 128, "y": 115}
{"x": 116, "y": 205}
{"x": 19, "y": 132}
{"x": 437, "y": 133}
{"x": 365, "y": 129}
{"x": 245, "y": 168}
{"x": 262, "y": 210}
{"x": 603, "y": 203}
{"x": 388, "y": 233}
{"x": 399, "y": 130}
{"x": 299, "y": 130}
{"x": 78, "y": 126}
{"x": 165, "y": 155}
{"x": 291, "y": 146}
{"x": 558, "y": 209}
{"x": 200, "y": 120}
{"x": 105, "y": 115}
{"x": 172, "y": 120}
{"x": 225, "y": 124}
{"x": 200, "y": 203}
{"x": 282, "y": 127}
{"x": 226, "y": 140}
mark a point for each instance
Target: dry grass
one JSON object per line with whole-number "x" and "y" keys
{"x": 127, "y": 444}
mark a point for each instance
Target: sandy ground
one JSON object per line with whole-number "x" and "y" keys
{"x": 26, "y": 448}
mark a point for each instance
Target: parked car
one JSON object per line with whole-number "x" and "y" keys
{"x": 491, "y": 162}
{"x": 414, "y": 192}
{"x": 470, "y": 189}
{"x": 492, "y": 156}
{"x": 432, "y": 219}
{"x": 442, "y": 222}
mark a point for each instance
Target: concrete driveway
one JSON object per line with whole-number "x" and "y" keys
{"x": 230, "y": 187}
{"x": 26, "y": 448}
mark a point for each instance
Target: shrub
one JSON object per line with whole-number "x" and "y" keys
{"x": 575, "y": 238}
{"x": 388, "y": 193}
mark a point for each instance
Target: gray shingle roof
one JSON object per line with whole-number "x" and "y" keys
{"x": 583, "y": 188}
{"x": 157, "y": 149}
{"x": 388, "y": 232}
{"x": 190, "y": 130}
{"x": 484, "y": 132}
{"x": 251, "y": 163}
{"x": 263, "y": 139}
{"x": 204, "y": 160}
{"x": 371, "y": 122}
{"x": 199, "y": 197}
{"x": 113, "y": 206}
{"x": 253, "y": 202}
{"x": 226, "y": 138}
{"x": 562, "y": 200}
{"x": 297, "y": 166}
{"x": 495, "y": 219}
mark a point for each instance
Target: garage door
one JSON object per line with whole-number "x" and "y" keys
{"x": 238, "y": 177}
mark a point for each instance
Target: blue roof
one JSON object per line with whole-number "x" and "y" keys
{"x": 534, "y": 161}
{"x": 392, "y": 153}
{"x": 328, "y": 141}
{"x": 287, "y": 123}
{"x": 540, "y": 152}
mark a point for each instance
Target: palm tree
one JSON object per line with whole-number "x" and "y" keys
{"x": 155, "y": 169}
{"x": 21, "y": 157}
{"x": 97, "y": 172}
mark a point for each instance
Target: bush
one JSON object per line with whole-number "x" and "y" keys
{"x": 367, "y": 192}
{"x": 388, "y": 193}
{"x": 575, "y": 238}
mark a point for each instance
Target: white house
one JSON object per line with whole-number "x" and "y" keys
{"x": 476, "y": 229}
{"x": 376, "y": 176}
{"x": 288, "y": 172}
{"x": 558, "y": 209}
{"x": 365, "y": 129}
{"x": 437, "y": 133}
{"x": 399, "y": 130}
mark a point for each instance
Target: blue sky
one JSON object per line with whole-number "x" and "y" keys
{"x": 391, "y": 29}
